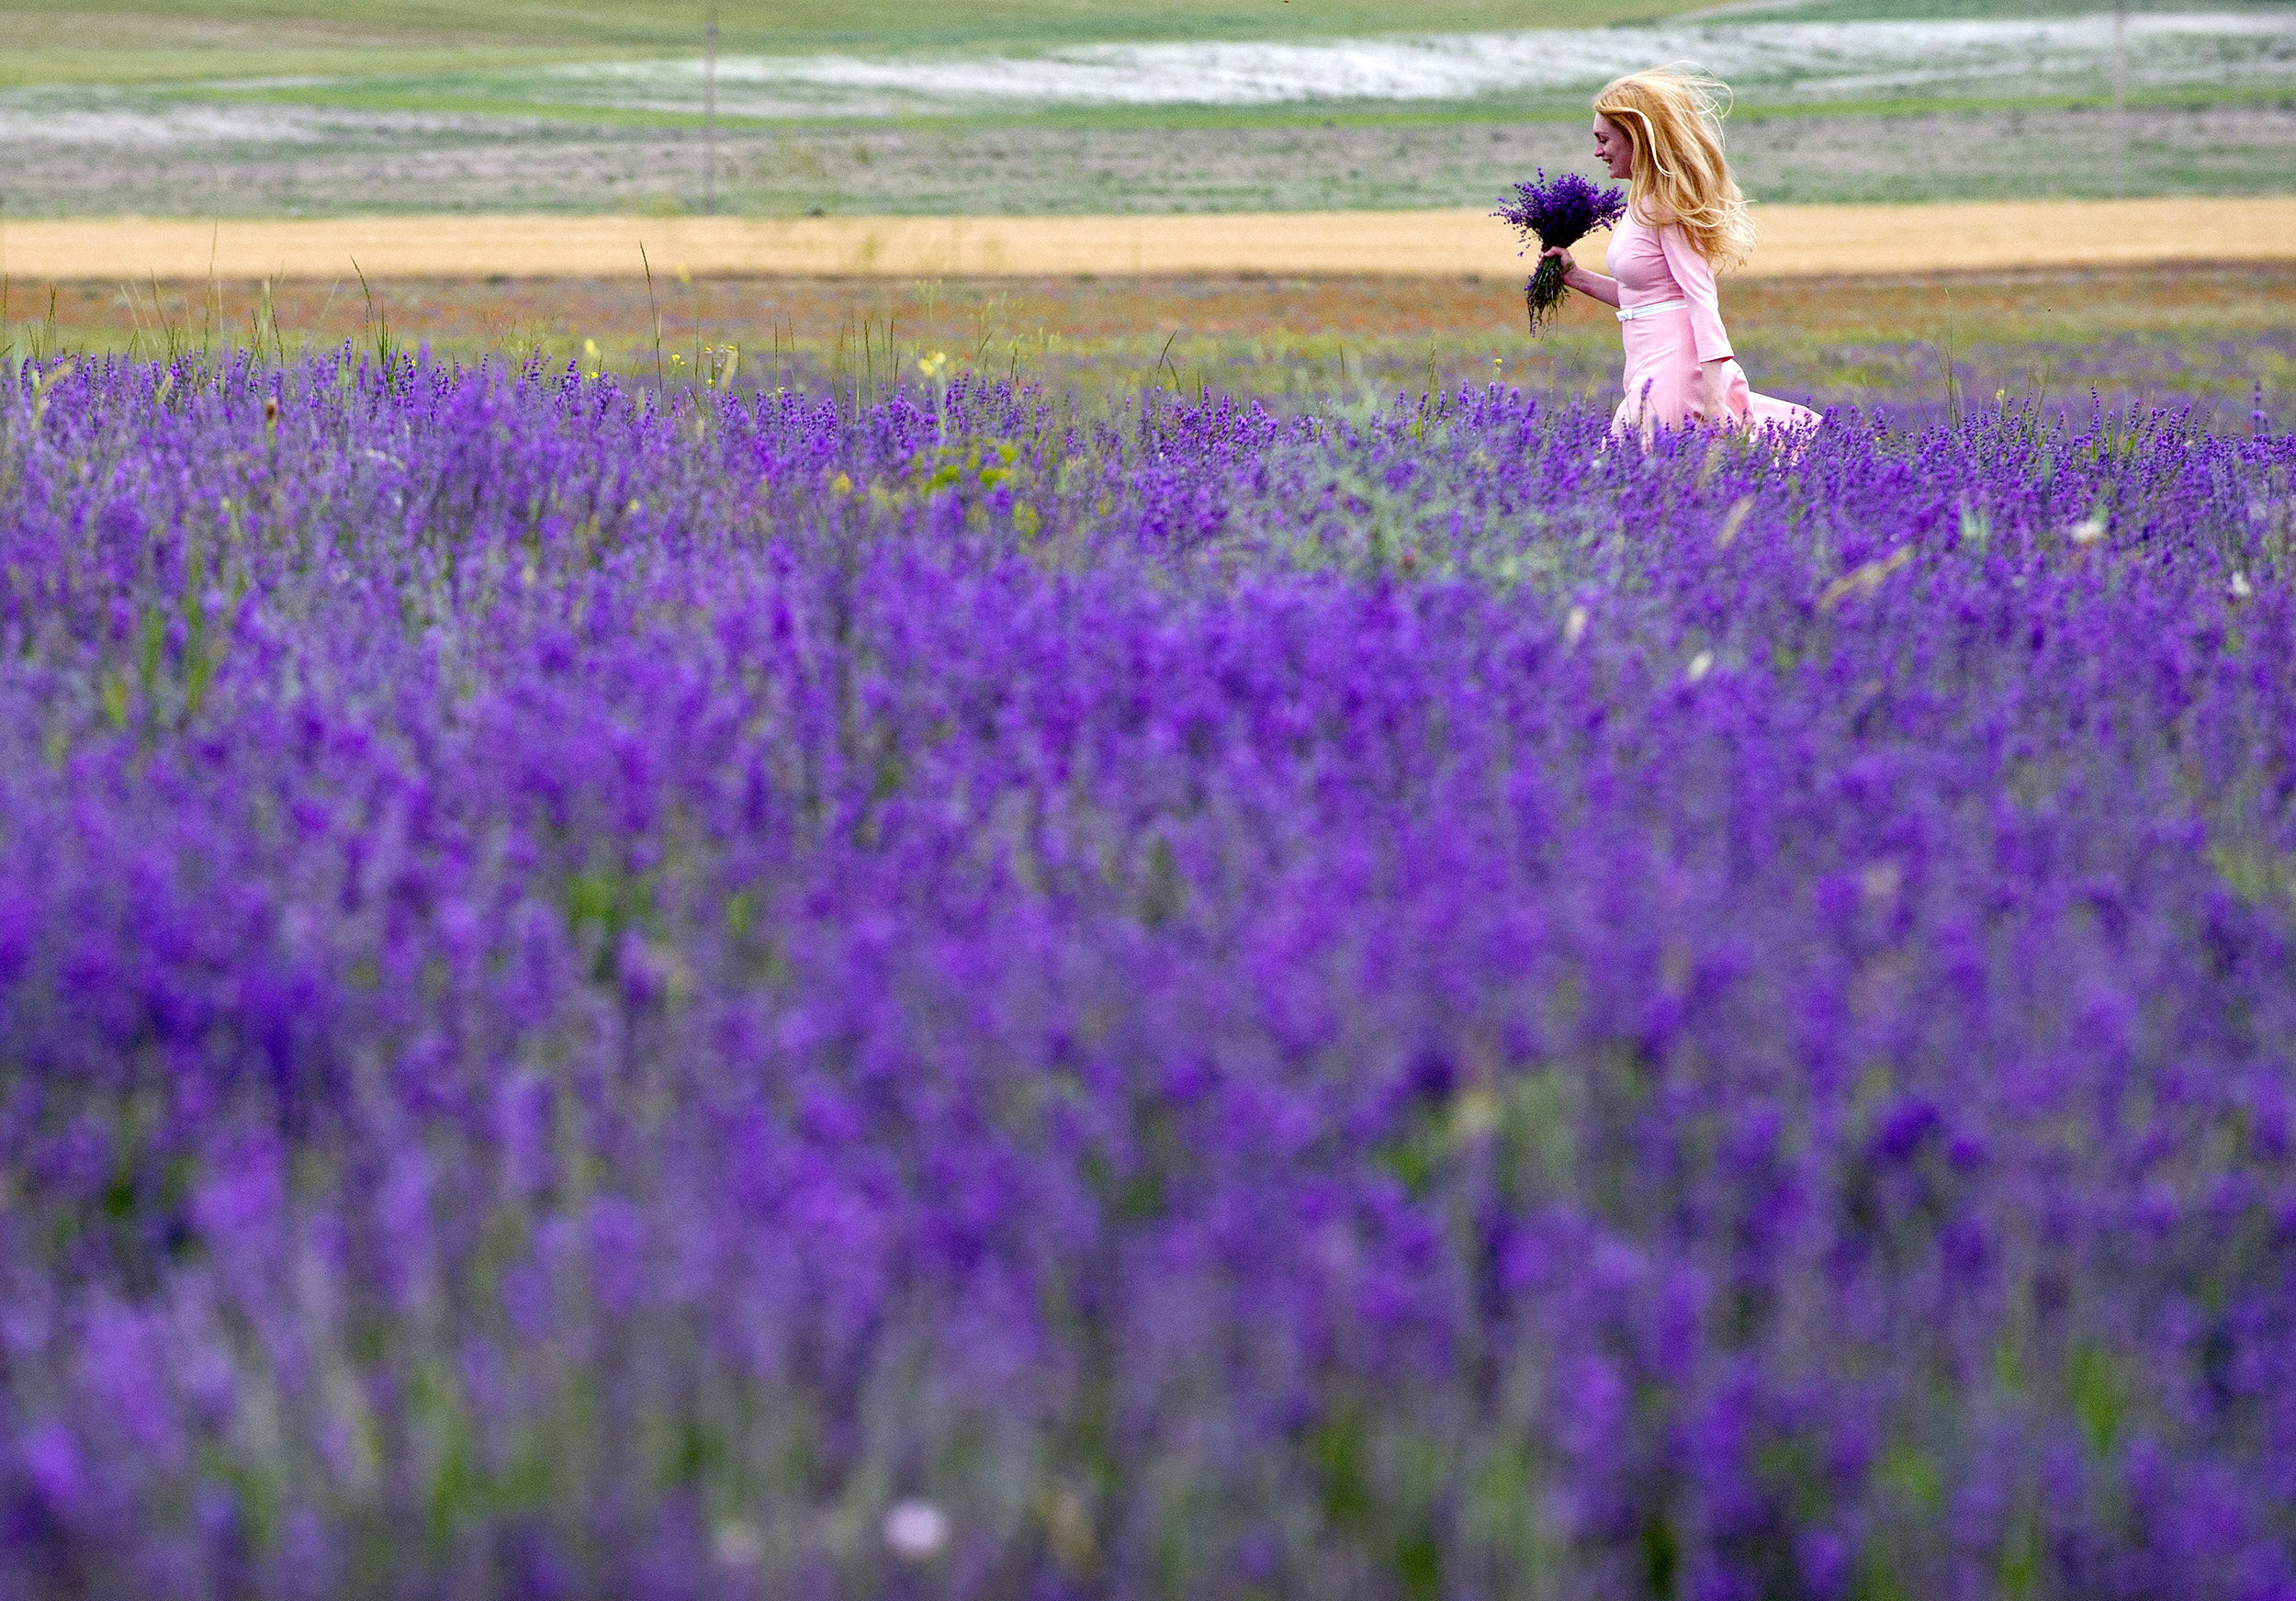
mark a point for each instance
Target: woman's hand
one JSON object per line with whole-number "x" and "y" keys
{"x": 1712, "y": 401}
{"x": 1563, "y": 254}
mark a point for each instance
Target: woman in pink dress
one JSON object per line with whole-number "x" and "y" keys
{"x": 1684, "y": 221}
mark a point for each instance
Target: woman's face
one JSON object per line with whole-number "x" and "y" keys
{"x": 1613, "y": 147}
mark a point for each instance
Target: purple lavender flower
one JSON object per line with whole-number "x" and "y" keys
{"x": 1551, "y": 213}
{"x": 590, "y": 1003}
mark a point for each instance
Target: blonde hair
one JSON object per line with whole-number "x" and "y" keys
{"x": 1675, "y": 123}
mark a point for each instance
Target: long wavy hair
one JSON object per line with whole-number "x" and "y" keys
{"x": 1673, "y": 121}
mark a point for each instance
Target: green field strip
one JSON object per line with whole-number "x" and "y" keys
{"x": 1557, "y": 108}
{"x": 1984, "y": 10}
{"x": 773, "y": 25}
{"x": 146, "y": 41}
{"x": 1488, "y": 110}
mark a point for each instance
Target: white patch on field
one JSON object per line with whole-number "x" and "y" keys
{"x": 112, "y": 120}
{"x": 1770, "y": 60}
{"x": 136, "y": 127}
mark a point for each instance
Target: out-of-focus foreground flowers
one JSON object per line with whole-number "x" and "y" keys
{"x": 946, "y": 998}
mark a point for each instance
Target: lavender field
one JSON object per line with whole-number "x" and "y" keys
{"x": 955, "y": 995}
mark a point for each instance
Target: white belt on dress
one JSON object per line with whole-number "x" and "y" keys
{"x": 1636, "y": 313}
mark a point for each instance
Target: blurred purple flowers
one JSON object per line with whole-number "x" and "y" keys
{"x": 1551, "y": 213}
{"x": 751, "y": 997}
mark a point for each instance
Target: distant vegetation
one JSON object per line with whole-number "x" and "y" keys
{"x": 301, "y": 107}
{"x": 156, "y": 40}
{"x": 162, "y": 40}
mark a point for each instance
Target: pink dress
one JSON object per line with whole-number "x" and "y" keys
{"x": 1671, "y": 320}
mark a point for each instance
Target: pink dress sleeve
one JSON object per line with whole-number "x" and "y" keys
{"x": 1694, "y": 277}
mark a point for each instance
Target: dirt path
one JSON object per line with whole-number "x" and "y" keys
{"x": 1797, "y": 241}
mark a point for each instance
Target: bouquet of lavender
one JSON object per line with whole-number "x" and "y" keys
{"x": 1561, "y": 211}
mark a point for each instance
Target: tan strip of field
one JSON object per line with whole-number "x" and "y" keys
{"x": 1797, "y": 242}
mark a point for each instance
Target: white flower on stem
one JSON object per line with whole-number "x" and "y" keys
{"x": 916, "y": 1529}
{"x": 737, "y": 1544}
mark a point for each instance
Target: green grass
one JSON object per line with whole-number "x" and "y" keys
{"x": 1974, "y": 10}
{"x": 49, "y": 47}
{"x": 164, "y": 40}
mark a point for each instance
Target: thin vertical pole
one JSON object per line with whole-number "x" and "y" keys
{"x": 2120, "y": 95}
{"x": 709, "y": 114}
{"x": 2120, "y": 53}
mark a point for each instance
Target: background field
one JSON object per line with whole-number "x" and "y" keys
{"x": 174, "y": 39}
{"x": 182, "y": 38}
{"x": 293, "y": 108}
